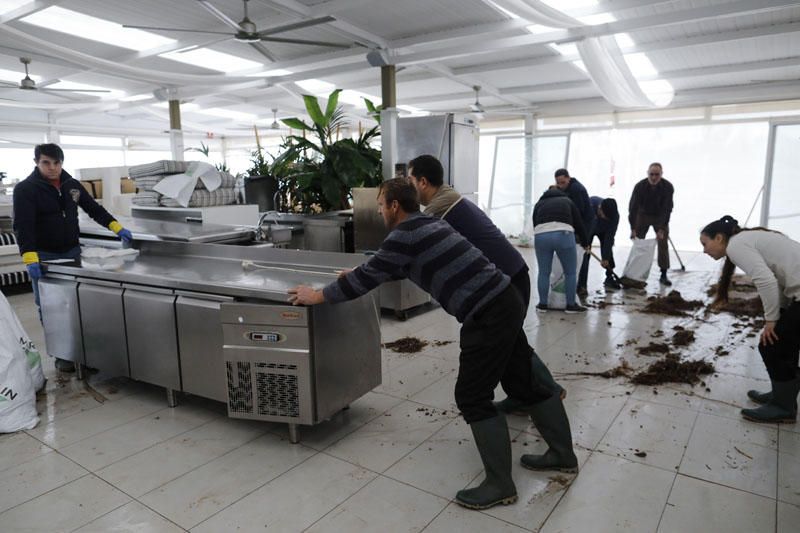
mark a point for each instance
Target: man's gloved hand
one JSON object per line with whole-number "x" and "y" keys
{"x": 34, "y": 270}
{"x": 125, "y": 235}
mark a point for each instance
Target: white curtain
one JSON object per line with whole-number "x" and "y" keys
{"x": 601, "y": 55}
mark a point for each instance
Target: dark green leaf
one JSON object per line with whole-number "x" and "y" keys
{"x": 314, "y": 111}
{"x": 296, "y": 123}
{"x": 333, "y": 101}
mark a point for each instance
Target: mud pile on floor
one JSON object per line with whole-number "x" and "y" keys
{"x": 738, "y": 284}
{"x": 749, "y": 307}
{"x": 673, "y": 304}
{"x": 672, "y": 370}
{"x": 406, "y": 345}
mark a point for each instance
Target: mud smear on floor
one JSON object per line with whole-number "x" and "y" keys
{"x": 673, "y": 304}
{"x": 623, "y": 370}
{"x": 672, "y": 370}
{"x": 654, "y": 348}
{"x": 683, "y": 337}
{"x": 743, "y": 307}
{"x": 602, "y": 304}
{"x": 738, "y": 284}
{"x": 442, "y": 343}
{"x": 406, "y": 345}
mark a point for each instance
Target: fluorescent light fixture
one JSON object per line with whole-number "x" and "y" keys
{"x": 640, "y": 65}
{"x": 413, "y": 110}
{"x": 85, "y": 140}
{"x": 538, "y": 29}
{"x": 271, "y": 73}
{"x": 15, "y": 76}
{"x": 316, "y": 87}
{"x": 87, "y": 27}
{"x": 565, "y": 49}
{"x": 581, "y": 65}
{"x": 137, "y": 97}
{"x": 74, "y": 86}
{"x": 624, "y": 40}
{"x": 226, "y": 113}
{"x": 211, "y": 59}
{"x": 3, "y": 141}
{"x": 599, "y": 18}
{"x": 566, "y": 5}
{"x": 10, "y": 5}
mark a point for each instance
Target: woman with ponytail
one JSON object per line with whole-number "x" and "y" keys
{"x": 772, "y": 261}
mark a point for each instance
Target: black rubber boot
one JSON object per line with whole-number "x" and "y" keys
{"x": 664, "y": 280}
{"x": 781, "y": 408}
{"x": 494, "y": 445}
{"x": 759, "y": 397}
{"x": 551, "y": 420}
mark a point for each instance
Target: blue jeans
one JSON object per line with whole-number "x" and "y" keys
{"x": 561, "y": 243}
{"x": 74, "y": 253}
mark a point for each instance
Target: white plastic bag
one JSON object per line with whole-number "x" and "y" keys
{"x": 640, "y": 259}
{"x": 17, "y": 391}
{"x": 557, "y": 299}
{"x": 31, "y": 352}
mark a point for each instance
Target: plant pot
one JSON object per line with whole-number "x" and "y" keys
{"x": 261, "y": 190}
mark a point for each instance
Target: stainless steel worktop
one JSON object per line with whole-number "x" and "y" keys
{"x": 159, "y": 230}
{"x": 194, "y": 268}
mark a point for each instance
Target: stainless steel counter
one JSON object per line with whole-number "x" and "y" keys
{"x": 161, "y": 230}
{"x": 190, "y": 317}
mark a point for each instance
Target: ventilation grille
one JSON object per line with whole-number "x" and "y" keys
{"x": 277, "y": 393}
{"x": 240, "y": 387}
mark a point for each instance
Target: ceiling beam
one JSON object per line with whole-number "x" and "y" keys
{"x": 445, "y": 72}
{"x": 27, "y": 9}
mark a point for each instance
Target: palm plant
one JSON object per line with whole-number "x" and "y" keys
{"x": 324, "y": 167}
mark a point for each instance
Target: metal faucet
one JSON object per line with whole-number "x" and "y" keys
{"x": 267, "y": 216}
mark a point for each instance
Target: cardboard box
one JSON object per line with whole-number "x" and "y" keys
{"x": 94, "y": 187}
{"x": 127, "y": 185}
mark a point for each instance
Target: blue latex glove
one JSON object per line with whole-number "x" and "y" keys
{"x": 125, "y": 235}
{"x": 34, "y": 270}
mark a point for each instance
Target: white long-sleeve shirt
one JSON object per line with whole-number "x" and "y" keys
{"x": 772, "y": 261}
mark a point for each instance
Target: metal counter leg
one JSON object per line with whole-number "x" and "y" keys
{"x": 78, "y": 371}
{"x": 294, "y": 433}
{"x": 171, "y": 400}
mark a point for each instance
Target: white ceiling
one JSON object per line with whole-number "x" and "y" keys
{"x": 711, "y": 51}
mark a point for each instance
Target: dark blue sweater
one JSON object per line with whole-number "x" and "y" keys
{"x": 429, "y": 252}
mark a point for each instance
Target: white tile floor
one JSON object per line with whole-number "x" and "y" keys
{"x": 117, "y": 459}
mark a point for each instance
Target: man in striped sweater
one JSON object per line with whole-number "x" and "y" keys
{"x": 438, "y": 259}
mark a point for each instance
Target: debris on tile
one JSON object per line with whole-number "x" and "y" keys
{"x": 683, "y": 337}
{"x": 671, "y": 369}
{"x": 406, "y": 345}
{"x": 673, "y": 304}
{"x": 654, "y": 348}
{"x": 640, "y": 454}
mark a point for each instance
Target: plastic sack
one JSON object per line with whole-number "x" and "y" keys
{"x": 557, "y": 299}
{"x": 17, "y": 390}
{"x": 640, "y": 259}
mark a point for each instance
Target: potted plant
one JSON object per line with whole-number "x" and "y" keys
{"x": 321, "y": 167}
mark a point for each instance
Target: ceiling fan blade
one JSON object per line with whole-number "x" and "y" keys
{"x": 173, "y": 29}
{"x": 8, "y": 84}
{"x": 303, "y": 41}
{"x": 43, "y": 90}
{"x": 220, "y": 15}
{"x": 295, "y": 26}
{"x": 263, "y": 51}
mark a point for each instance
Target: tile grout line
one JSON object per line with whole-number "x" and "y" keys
{"x": 676, "y": 472}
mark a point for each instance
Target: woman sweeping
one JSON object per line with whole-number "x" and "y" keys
{"x": 772, "y": 261}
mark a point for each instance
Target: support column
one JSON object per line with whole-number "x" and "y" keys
{"x": 53, "y": 135}
{"x": 388, "y": 120}
{"x": 530, "y": 164}
{"x": 175, "y": 132}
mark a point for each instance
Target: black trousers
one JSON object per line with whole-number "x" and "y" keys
{"x": 781, "y": 357}
{"x": 583, "y": 275}
{"x": 494, "y": 350}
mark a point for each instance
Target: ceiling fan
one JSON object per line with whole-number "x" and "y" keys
{"x": 247, "y": 32}
{"x": 479, "y": 111}
{"x": 27, "y": 84}
{"x": 275, "y": 124}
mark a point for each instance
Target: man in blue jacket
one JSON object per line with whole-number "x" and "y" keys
{"x": 46, "y": 218}
{"x": 605, "y": 229}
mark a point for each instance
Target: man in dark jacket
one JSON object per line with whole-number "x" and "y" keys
{"x": 547, "y": 413}
{"x": 577, "y": 193}
{"x": 433, "y": 255}
{"x": 651, "y": 205}
{"x": 46, "y": 217}
{"x": 605, "y": 229}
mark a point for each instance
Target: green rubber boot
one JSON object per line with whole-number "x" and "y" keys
{"x": 551, "y": 420}
{"x": 494, "y": 446}
{"x": 781, "y": 408}
{"x": 540, "y": 375}
{"x": 759, "y": 397}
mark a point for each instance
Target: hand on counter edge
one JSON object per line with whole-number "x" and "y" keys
{"x": 125, "y": 235}
{"x": 34, "y": 270}
{"x": 305, "y": 295}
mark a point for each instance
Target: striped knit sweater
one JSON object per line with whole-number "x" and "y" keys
{"x": 435, "y": 257}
